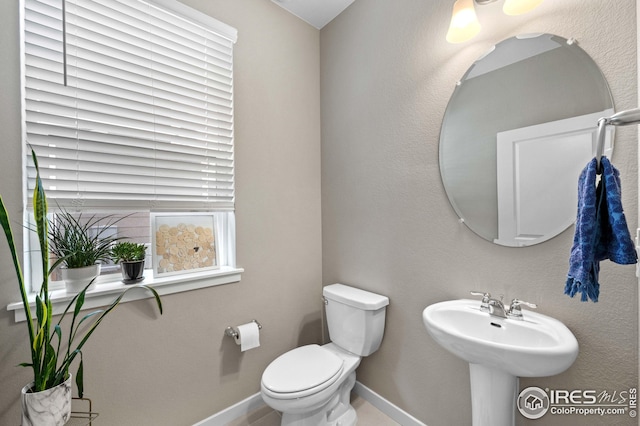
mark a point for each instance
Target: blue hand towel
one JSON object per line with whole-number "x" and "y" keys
{"x": 601, "y": 230}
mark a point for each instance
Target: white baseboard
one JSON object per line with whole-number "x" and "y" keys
{"x": 234, "y": 412}
{"x": 255, "y": 401}
{"x": 394, "y": 412}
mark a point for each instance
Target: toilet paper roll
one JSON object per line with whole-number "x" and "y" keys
{"x": 248, "y": 336}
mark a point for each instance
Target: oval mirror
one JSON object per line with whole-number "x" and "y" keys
{"x": 518, "y": 130}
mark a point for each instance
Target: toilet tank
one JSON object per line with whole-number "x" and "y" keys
{"x": 355, "y": 318}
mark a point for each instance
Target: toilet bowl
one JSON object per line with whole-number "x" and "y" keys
{"x": 311, "y": 385}
{"x": 310, "y": 381}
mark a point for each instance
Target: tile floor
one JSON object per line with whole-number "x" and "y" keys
{"x": 368, "y": 415}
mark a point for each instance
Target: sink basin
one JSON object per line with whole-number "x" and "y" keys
{"x": 499, "y": 350}
{"x": 534, "y": 347}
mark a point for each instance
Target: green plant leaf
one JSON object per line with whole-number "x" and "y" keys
{"x": 86, "y": 317}
{"x": 40, "y": 343}
{"x": 58, "y": 332}
{"x": 40, "y": 308}
{"x": 156, "y": 295}
{"x": 6, "y": 226}
{"x": 69, "y": 305}
{"x": 80, "y": 377}
{"x": 92, "y": 314}
{"x": 49, "y": 367}
{"x": 40, "y": 216}
{"x": 40, "y": 314}
{"x": 79, "y": 302}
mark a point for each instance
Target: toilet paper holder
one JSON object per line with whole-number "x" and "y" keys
{"x": 232, "y": 332}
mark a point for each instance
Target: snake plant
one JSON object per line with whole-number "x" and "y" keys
{"x": 54, "y": 349}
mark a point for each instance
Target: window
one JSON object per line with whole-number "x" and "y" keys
{"x": 129, "y": 107}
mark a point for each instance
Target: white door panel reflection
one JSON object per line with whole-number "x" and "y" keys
{"x": 537, "y": 170}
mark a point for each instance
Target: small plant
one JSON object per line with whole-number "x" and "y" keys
{"x": 125, "y": 251}
{"x": 79, "y": 242}
{"x": 52, "y": 349}
{"x": 131, "y": 258}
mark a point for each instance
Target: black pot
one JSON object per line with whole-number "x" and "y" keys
{"x": 132, "y": 272}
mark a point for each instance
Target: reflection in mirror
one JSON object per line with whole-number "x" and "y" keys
{"x": 518, "y": 130}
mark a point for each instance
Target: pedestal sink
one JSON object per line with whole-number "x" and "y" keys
{"x": 499, "y": 350}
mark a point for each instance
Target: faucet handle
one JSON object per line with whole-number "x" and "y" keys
{"x": 515, "y": 311}
{"x": 485, "y": 299}
{"x": 485, "y": 296}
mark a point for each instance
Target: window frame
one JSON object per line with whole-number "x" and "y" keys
{"x": 105, "y": 291}
{"x": 111, "y": 284}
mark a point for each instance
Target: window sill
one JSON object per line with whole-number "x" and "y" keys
{"x": 105, "y": 292}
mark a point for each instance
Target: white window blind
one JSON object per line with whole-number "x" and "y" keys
{"x": 145, "y": 119}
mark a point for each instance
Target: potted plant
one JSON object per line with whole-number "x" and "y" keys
{"x": 54, "y": 346}
{"x": 131, "y": 257}
{"x": 82, "y": 244}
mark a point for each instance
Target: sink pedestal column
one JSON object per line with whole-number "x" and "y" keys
{"x": 493, "y": 396}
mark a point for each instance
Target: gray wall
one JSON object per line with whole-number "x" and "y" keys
{"x": 179, "y": 369}
{"x": 387, "y": 75}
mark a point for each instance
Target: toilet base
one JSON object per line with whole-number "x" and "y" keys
{"x": 336, "y": 412}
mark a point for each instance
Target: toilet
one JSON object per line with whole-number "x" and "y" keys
{"x": 311, "y": 385}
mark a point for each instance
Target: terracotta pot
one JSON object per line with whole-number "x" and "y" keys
{"x": 76, "y": 279}
{"x": 50, "y": 407}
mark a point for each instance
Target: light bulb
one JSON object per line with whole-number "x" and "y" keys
{"x": 519, "y": 7}
{"x": 464, "y": 22}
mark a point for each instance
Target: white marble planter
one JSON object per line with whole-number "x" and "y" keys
{"x": 50, "y": 407}
{"x": 77, "y": 279}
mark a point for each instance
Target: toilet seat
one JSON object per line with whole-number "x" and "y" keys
{"x": 302, "y": 371}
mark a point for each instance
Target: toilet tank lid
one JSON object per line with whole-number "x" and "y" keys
{"x": 355, "y": 297}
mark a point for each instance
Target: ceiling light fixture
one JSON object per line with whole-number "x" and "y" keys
{"x": 464, "y": 22}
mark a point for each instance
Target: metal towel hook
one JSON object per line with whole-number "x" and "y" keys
{"x": 622, "y": 118}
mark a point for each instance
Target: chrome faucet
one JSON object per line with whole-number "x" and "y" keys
{"x": 496, "y": 307}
